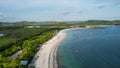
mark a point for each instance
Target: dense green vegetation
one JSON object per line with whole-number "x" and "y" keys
{"x": 29, "y": 42}
{"x": 3, "y": 41}
{"x": 13, "y": 36}
{"x": 81, "y": 23}
{"x": 65, "y": 23}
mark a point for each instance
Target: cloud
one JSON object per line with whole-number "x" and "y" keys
{"x": 18, "y": 4}
{"x": 116, "y": 3}
{"x": 109, "y": 4}
{"x": 3, "y": 15}
{"x": 56, "y": 9}
{"x": 72, "y": 12}
{"x": 80, "y": 12}
{"x": 101, "y": 6}
{"x": 67, "y": 13}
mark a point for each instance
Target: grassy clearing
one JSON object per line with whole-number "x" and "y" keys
{"x": 5, "y": 41}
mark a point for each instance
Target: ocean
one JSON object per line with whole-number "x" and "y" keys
{"x": 90, "y": 48}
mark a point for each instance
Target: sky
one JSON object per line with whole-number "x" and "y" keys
{"x": 59, "y": 10}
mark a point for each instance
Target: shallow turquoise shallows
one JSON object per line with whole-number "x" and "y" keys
{"x": 90, "y": 48}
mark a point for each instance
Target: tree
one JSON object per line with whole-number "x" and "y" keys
{"x": 26, "y": 44}
{"x": 14, "y": 63}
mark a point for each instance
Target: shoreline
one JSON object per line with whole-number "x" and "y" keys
{"x": 46, "y": 56}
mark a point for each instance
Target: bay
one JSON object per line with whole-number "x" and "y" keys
{"x": 90, "y": 48}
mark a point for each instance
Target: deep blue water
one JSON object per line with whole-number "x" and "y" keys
{"x": 90, "y": 48}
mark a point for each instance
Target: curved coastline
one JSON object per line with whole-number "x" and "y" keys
{"x": 46, "y": 56}
{"x": 48, "y": 53}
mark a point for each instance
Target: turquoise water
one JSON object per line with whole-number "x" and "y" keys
{"x": 90, "y": 48}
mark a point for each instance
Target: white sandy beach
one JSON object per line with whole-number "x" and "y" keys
{"x": 46, "y": 56}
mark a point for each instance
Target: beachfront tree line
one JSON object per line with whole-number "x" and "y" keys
{"x": 29, "y": 48}
{"x": 22, "y": 34}
{"x": 16, "y": 36}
